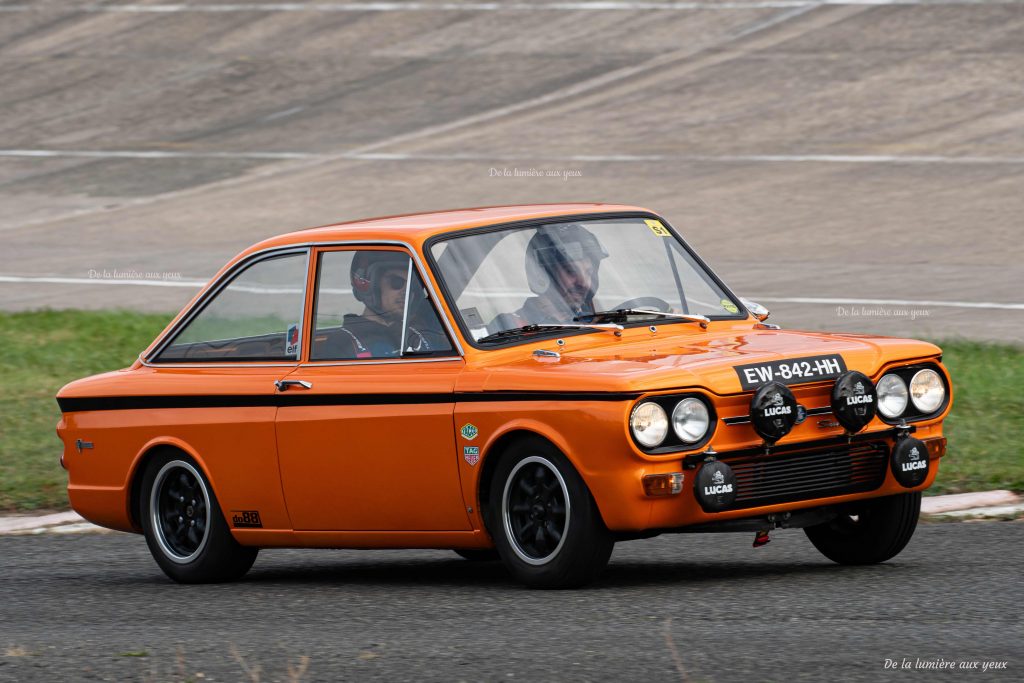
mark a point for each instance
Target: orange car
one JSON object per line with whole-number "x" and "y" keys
{"x": 529, "y": 383}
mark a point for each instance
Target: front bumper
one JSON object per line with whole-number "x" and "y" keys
{"x": 802, "y": 476}
{"x": 798, "y": 476}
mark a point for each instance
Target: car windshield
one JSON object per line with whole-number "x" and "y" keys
{"x": 567, "y": 273}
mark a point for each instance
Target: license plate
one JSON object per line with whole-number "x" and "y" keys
{"x": 792, "y": 371}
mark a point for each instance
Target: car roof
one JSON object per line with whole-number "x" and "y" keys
{"x": 420, "y": 226}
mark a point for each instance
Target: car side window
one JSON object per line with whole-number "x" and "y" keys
{"x": 371, "y": 303}
{"x": 256, "y": 316}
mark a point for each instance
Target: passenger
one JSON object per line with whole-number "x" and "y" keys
{"x": 562, "y": 263}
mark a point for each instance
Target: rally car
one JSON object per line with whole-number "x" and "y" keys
{"x": 523, "y": 383}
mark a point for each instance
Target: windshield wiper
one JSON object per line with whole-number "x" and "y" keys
{"x": 540, "y": 327}
{"x": 622, "y": 315}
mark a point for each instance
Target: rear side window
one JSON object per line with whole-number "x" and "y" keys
{"x": 256, "y": 316}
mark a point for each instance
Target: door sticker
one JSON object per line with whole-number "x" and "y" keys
{"x": 657, "y": 228}
{"x": 246, "y": 519}
{"x": 291, "y": 347}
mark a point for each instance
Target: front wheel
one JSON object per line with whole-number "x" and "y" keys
{"x": 545, "y": 524}
{"x": 184, "y": 528}
{"x": 871, "y": 532}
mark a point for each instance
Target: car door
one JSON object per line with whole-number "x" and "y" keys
{"x": 218, "y": 371}
{"x": 365, "y": 424}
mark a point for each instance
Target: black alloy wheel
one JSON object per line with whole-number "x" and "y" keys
{"x": 180, "y": 511}
{"x": 536, "y": 509}
{"x": 545, "y": 523}
{"x": 183, "y": 524}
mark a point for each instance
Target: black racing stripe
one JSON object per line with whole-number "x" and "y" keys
{"x": 74, "y": 405}
{"x": 492, "y": 396}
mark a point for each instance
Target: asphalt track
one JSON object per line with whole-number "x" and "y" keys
{"x": 857, "y": 166}
{"x": 674, "y": 608}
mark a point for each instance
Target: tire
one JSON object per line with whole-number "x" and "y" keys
{"x": 872, "y": 532}
{"x": 478, "y": 554}
{"x": 183, "y": 524}
{"x": 544, "y": 522}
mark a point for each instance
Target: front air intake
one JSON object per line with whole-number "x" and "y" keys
{"x": 832, "y": 471}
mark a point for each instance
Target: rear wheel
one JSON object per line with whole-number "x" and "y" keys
{"x": 184, "y": 527}
{"x": 873, "y": 531}
{"x": 545, "y": 524}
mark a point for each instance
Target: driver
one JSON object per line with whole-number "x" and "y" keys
{"x": 379, "y": 282}
{"x": 562, "y": 263}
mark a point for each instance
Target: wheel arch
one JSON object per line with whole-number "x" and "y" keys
{"x": 137, "y": 472}
{"x": 496, "y": 449}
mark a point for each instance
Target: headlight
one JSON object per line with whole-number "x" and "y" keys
{"x": 927, "y": 391}
{"x": 690, "y": 420}
{"x": 892, "y": 395}
{"x": 649, "y": 424}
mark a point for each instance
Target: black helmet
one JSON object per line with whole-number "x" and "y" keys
{"x": 560, "y": 245}
{"x": 367, "y": 267}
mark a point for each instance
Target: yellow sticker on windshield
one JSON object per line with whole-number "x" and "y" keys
{"x": 657, "y": 228}
{"x": 729, "y": 306}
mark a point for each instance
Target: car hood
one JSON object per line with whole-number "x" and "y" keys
{"x": 643, "y": 362}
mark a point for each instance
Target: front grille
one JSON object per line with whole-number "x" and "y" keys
{"x": 803, "y": 475}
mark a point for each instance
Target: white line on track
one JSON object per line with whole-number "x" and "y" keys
{"x": 892, "y": 302}
{"x": 192, "y": 284}
{"x": 861, "y": 159}
{"x": 166, "y": 8}
{"x": 151, "y": 154}
{"x": 611, "y": 158}
{"x": 726, "y": 158}
{"x": 48, "y": 280}
{"x": 195, "y": 284}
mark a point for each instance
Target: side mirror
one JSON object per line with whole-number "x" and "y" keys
{"x": 756, "y": 309}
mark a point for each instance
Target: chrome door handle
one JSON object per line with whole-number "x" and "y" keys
{"x": 283, "y": 384}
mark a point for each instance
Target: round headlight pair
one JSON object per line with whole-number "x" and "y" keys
{"x": 649, "y": 422}
{"x": 926, "y": 391}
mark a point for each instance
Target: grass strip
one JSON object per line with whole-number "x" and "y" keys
{"x": 40, "y": 351}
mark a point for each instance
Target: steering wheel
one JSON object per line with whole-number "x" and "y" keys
{"x": 425, "y": 340}
{"x": 646, "y": 302}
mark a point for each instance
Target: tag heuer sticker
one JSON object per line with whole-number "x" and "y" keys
{"x": 471, "y": 454}
{"x": 469, "y": 431}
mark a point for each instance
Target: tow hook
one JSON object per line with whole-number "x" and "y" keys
{"x": 777, "y": 521}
